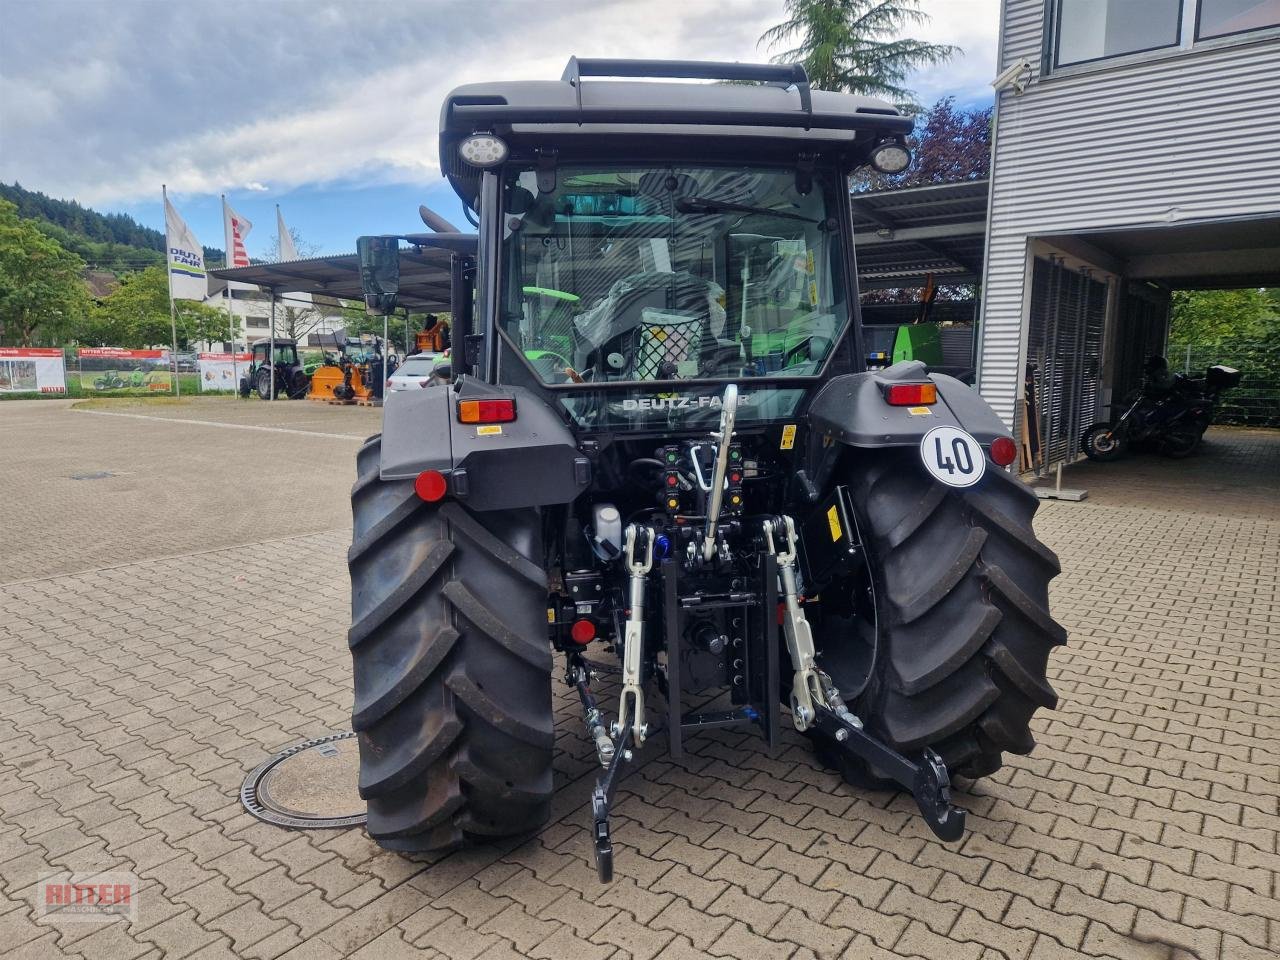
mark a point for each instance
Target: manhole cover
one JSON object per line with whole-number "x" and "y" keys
{"x": 311, "y": 785}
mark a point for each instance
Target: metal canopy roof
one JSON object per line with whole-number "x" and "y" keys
{"x": 424, "y": 275}
{"x": 903, "y": 235}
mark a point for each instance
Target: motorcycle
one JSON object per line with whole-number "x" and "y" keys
{"x": 1171, "y": 420}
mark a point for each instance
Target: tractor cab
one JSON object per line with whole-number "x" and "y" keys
{"x": 286, "y": 352}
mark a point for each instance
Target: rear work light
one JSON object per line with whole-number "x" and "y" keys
{"x": 911, "y": 394}
{"x": 501, "y": 410}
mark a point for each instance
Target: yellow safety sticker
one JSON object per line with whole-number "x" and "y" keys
{"x": 920, "y": 411}
{"x": 810, "y": 261}
{"x": 551, "y": 614}
{"x": 833, "y": 521}
{"x": 788, "y": 437}
{"x": 813, "y": 294}
{"x": 491, "y": 430}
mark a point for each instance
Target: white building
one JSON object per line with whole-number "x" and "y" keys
{"x": 1137, "y": 151}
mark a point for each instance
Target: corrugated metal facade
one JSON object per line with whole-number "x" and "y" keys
{"x": 1193, "y": 136}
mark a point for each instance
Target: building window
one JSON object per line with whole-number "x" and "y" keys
{"x": 1097, "y": 29}
{"x": 1221, "y": 18}
{"x": 256, "y": 321}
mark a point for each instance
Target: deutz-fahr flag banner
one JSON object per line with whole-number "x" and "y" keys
{"x": 187, "y": 279}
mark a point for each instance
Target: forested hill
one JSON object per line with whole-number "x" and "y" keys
{"x": 105, "y": 241}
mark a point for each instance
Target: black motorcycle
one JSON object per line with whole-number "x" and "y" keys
{"x": 1171, "y": 419}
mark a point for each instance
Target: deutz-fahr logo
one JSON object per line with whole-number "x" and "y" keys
{"x": 680, "y": 403}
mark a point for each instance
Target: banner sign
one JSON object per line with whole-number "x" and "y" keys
{"x": 116, "y": 370}
{"x": 32, "y": 370}
{"x": 221, "y": 372}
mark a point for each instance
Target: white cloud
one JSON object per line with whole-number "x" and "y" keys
{"x": 238, "y": 96}
{"x": 255, "y": 187}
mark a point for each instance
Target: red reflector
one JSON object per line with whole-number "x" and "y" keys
{"x": 1004, "y": 451}
{"x": 582, "y": 631}
{"x": 431, "y": 485}
{"x": 501, "y": 410}
{"x": 911, "y": 394}
{"x": 671, "y": 480}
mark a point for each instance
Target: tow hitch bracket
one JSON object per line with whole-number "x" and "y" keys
{"x": 926, "y": 778}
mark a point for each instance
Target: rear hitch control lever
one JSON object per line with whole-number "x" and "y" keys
{"x": 926, "y": 778}
{"x": 724, "y": 437}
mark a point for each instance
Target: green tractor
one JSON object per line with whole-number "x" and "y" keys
{"x": 290, "y": 380}
{"x": 661, "y": 441}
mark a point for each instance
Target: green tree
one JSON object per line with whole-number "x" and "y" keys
{"x": 855, "y": 46}
{"x": 41, "y": 290}
{"x": 1214, "y": 316}
{"x": 136, "y": 314}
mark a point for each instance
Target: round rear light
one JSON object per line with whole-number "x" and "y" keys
{"x": 582, "y": 632}
{"x": 1004, "y": 451}
{"x": 431, "y": 485}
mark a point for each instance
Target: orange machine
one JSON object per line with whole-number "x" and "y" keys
{"x": 349, "y": 375}
{"x": 433, "y": 337}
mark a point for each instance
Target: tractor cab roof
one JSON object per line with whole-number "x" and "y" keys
{"x": 770, "y": 105}
{"x": 280, "y": 342}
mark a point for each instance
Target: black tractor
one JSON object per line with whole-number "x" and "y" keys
{"x": 662, "y": 441}
{"x": 290, "y": 379}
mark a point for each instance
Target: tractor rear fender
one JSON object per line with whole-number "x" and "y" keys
{"x": 853, "y": 410}
{"x": 529, "y": 462}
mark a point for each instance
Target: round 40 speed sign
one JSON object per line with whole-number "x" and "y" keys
{"x": 953, "y": 457}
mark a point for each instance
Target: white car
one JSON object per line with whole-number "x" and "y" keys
{"x": 415, "y": 372}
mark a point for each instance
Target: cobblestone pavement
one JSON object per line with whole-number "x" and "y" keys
{"x": 135, "y": 696}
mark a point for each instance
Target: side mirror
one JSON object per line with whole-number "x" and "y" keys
{"x": 379, "y": 273}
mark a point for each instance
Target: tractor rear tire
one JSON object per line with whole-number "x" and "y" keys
{"x": 962, "y": 600}
{"x": 452, "y": 666}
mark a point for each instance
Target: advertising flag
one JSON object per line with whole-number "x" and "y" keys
{"x": 288, "y": 252}
{"x": 187, "y": 279}
{"x": 237, "y": 230}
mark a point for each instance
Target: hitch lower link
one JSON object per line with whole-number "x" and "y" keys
{"x": 615, "y": 747}
{"x": 816, "y": 703}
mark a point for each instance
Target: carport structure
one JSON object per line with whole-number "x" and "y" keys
{"x": 424, "y": 273}
{"x": 904, "y": 236}
{"x": 908, "y": 237}
{"x": 1099, "y": 304}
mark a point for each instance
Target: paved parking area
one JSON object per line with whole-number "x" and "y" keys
{"x": 137, "y": 688}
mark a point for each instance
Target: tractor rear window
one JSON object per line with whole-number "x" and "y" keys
{"x": 669, "y": 273}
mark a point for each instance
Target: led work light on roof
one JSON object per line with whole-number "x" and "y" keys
{"x": 483, "y": 150}
{"x": 890, "y": 157}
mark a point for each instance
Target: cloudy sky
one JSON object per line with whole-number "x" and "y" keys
{"x": 330, "y": 108}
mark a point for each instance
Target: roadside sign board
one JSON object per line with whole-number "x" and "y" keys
{"x": 116, "y": 370}
{"x": 32, "y": 370}
{"x": 221, "y": 372}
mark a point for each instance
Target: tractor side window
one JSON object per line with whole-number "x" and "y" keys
{"x": 671, "y": 273}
